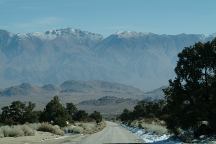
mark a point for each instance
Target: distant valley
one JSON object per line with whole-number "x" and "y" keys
{"x": 88, "y": 95}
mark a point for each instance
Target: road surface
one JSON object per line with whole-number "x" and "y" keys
{"x": 112, "y": 133}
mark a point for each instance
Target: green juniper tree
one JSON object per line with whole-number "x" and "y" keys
{"x": 96, "y": 116}
{"x": 18, "y": 113}
{"x": 71, "y": 110}
{"x": 191, "y": 96}
{"x": 55, "y": 112}
{"x": 81, "y": 115}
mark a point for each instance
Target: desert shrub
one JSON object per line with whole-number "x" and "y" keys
{"x": 151, "y": 126}
{"x": 28, "y": 131}
{"x": 140, "y": 125}
{"x": 1, "y": 133}
{"x": 73, "y": 129}
{"x": 16, "y": 131}
{"x": 34, "y": 126}
{"x": 46, "y": 127}
{"x": 12, "y": 131}
{"x": 101, "y": 125}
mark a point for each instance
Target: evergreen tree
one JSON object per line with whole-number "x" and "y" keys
{"x": 96, "y": 116}
{"x": 55, "y": 112}
{"x": 71, "y": 110}
{"x": 125, "y": 115}
{"x": 80, "y": 115}
{"x": 191, "y": 95}
{"x": 19, "y": 113}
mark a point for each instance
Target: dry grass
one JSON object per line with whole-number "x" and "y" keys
{"x": 34, "y": 126}
{"x": 73, "y": 129}
{"x": 1, "y": 133}
{"x": 16, "y": 131}
{"x": 30, "y": 129}
{"x": 38, "y": 138}
{"x": 152, "y": 125}
{"x": 46, "y": 127}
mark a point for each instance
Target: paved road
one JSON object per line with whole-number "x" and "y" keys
{"x": 112, "y": 133}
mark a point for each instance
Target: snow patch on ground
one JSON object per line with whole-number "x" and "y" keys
{"x": 151, "y": 137}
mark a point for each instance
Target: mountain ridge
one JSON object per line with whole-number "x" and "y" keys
{"x": 143, "y": 60}
{"x": 78, "y": 92}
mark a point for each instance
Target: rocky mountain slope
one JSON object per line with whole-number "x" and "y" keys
{"x": 143, "y": 60}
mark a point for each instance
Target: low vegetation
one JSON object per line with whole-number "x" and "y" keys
{"x": 144, "y": 109}
{"x": 151, "y": 125}
{"x": 20, "y": 119}
{"x": 96, "y": 116}
{"x": 46, "y": 127}
{"x": 84, "y": 127}
{"x": 16, "y": 131}
{"x": 74, "y": 129}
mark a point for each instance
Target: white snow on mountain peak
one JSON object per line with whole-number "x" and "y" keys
{"x": 144, "y": 60}
{"x": 130, "y": 34}
{"x": 52, "y": 34}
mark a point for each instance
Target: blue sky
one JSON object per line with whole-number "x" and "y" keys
{"x": 110, "y": 16}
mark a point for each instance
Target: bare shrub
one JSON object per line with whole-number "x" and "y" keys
{"x": 16, "y": 131}
{"x": 34, "y": 126}
{"x": 1, "y": 133}
{"x": 28, "y": 131}
{"x": 13, "y": 131}
{"x": 73, "y": 129}
{"x": 46, "y": 127}
{"x": 153, "y": 125}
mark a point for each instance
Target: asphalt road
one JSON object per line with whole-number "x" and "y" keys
{"x": 112, "y": 133}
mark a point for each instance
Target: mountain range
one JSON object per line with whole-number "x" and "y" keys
{"x": 142, "y": 60}
{"x": 106, "y": 97}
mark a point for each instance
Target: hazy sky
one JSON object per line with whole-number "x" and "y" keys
{"x": 110, "y": 16}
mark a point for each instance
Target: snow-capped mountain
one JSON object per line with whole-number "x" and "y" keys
{"x": 143, "y": 60}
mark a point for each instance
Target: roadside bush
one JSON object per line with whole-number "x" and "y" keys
{"x": 46, "y": 127}
{"x": 34, "y": 126}
{"x": 140, "y": 125}
{"x": 1, "y": 133}
{"x": 73, "y": 129}
{"x": 12, "y": 131}
{"x": 28, "y": 131}
{"x": 16, "y": 131}
{"x": 151, "y": 125}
